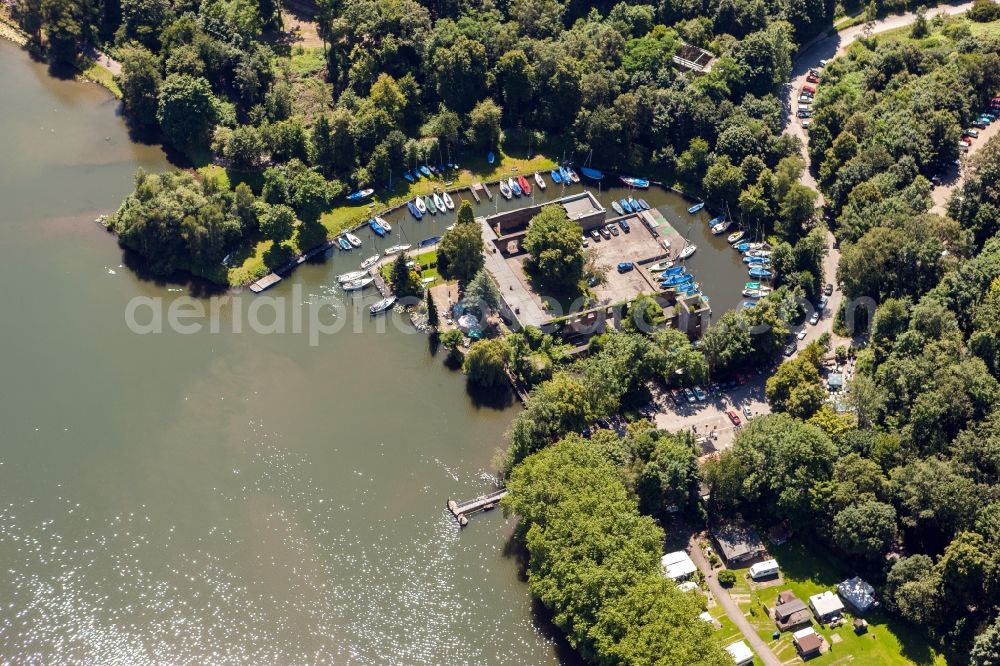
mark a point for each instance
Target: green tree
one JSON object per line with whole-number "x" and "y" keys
{"x": 187, "y": 110}
{"x": 451, "y": 339}
{"x": 460, "y": 254}
{"x": 796, "y": 387}
{"x": 140, "y": 82}
{"x": 986, "y": 649}
{"x": 553, "y": 241}
{"x": 484, "y": 124}
{"x": 487, "y": 362}
{"x": 244, "y": 148}
{"x": 277, "y": 223}
{"x": 403, "y": 282}
{"x": 481, "y": 294}
{"x": 867, "y": 529}
{"x": 432, "y": 312}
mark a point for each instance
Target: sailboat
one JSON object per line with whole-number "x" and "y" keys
{"x": 449, "y": 203}
{"x": 687, "y": 251}
{"x": 382, "y": 305}
{"x": 697, "y": 207}
{"x": 539, "y": 181}
{"x": 384, "y": 223}
{"x": 419, "y": 203}
{"x": 376, "y": 227}
{"x": 369, "y": 262}
{"x": 431, "y": 208}
{"x": 353, "y": 240}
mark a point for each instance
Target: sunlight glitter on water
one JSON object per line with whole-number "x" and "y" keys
{"x": 125, "y": 590}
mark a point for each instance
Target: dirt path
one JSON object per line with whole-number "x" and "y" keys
{"x": 762, "y": 649}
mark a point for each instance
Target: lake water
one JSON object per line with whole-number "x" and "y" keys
{"x": 220, "y": 498}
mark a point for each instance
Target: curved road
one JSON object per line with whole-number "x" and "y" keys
{"x": 823, "y": 48}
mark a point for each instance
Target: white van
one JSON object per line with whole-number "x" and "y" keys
{"x": 764, "y": 569}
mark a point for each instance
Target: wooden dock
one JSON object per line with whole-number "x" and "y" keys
{"x": 380, "y": 284}
{"x": 461, "y": 510}
{"x": 474, "y": 189}
{"x": 265, "y": 282}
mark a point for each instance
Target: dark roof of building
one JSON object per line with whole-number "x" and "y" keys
{"x": 737, "y": 540}
{"x": 786, "y": 596}
{"x": 809, "y": 643}
{"x": 786, "y": 609}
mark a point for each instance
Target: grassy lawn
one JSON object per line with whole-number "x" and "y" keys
{"x": 809, "y": 569}
{"x": 937, "y": 39}
{"x": 99, "y": 75}
{"x": 428, "y": 262}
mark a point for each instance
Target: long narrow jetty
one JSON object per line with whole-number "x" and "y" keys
{"x": 474, "y": 189}
{"x": 265, "y": 282}
{"x": 486, "y": 189}
{"x": 461, "y": 510}
{"x": 380, "y": 284}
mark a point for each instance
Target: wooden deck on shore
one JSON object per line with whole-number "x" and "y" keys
{"x": 380, "y": 284}
{"x": 461, "y": 510}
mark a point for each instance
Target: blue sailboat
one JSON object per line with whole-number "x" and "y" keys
{"x": 742, "y": 247}
{"x": 677, "y": 280}
{"x": 625, "y": 205}
{"x": 377, "y": 228}
{"x": 645, "y": 206}
{"x": 564, "y": 174}
{"x": 592, "y": 174}
{"x": 758, "y": 272}
{"x": 556, "y": 178}
{"x": 635, "y": 182}
{"x": 676, "y": 270}
{"x": 343, "y": 242}
{"x": 413, "y": 210}
{"x": 360, "y": 195}
{"x": 515, "y": 188}
{"x": 695, "y": 208}
{"x": 756, "y": 260}
{"x": 409, "y": 177}
{"x": 425, "y": 171}
{"x": 490, "y": 157}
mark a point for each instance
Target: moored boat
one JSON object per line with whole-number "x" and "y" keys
{"x": 396, "y": 249}
{"x": 721, "y": 227}
{"x": 564, "y": 174}
{"x": 360, "y": 194}
{"x": 350, "y": 277}
{"x": 751, "y": 285}
{"x": 449, "y": 203}
{"x": 353, "y": 240}
{"x": 360, "y": 283}
{"x": 514, "y": 187}
{"x": 573, "y": 175}
{"x": 556, "y": 178}
{"x": 525, "y": 186}
{"x": 425, "y": 171}
{"x": 617, "y": 207}
{"x": 421, "y": 206}
{"x": 645, "y": 206}
{"x": 639, "y": 183}
{"x": 758, "y": 272}
{"x": 675, "y": 280}
{"x": 661, "y": 266}
{"x": 382, "y": 222}
{"x": 734, "y": 237}
{"x": 626, "y": 206}
{"x": 343, "y": 243}
{"x": 674, "y": 270}
{"x": 369, "y": 262}
{"x": 409, "y": 177}
{"x": 431, "y": 208}
{"x": 749, "y": 259}
{"x": 505, "y": 190}
{"x": 697, "y": 207}
{"x": 414, "y": 211}
{"x": 438, "y": 202}
{"x": 592, "y": 174}
{"x": 382, "y": 305}
{"x": 539, "y": 180}
{"x": 760, "y": 292}
{"x": 377, "y": 228}
{"x": 758, "y": 253}
{"x": 716, "y": 220}
{"x": 490, "y": 157}
{"x": 687, "y": 251}
{"x": 634, "y": 204}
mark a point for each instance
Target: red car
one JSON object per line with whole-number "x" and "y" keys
{"x": 812, "y": 78}
{"x": 809, "y": 89}
{"x": 734, "y": 417}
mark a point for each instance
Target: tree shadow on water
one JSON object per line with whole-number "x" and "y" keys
{"x": 433, "y": 343}
{"x": 492, "y": 397}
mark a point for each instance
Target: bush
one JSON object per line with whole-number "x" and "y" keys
{"x": 727, "y": 578}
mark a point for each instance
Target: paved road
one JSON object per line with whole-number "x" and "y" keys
{"x": 762, "y": 649}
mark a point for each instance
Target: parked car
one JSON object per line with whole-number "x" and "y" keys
{"x": 812, "y": 78}
{"x": 747, "y": 412}
{"x": 814, "y": 319}
{"x": 734, "y": 417}
{"x": 806, "y": 122}
{"x": 625, "y": 266}
{"x": 790, "y": 348}
{"x": 801, "y": 335}
{"x": 613, "y": 228}
{"x": 804, "y": 113}
{"x": 828, "y": 289}
{"x": 595, "y": 235}
{"x": 822, "y": 303}
{"x": 823, "y": 63}
{"x": 689, "y": 394}
{"x": 585, "y": 242}
{"x": 805, "y": 100}
{"x": 604, "y": 232}
{"x": 979, "y": 124}
{"x": 967, "y": 141}
{"x": 624, "y": 225}
{"x": 814, "y": 72}
{"x": 808, "y": 89}
{"x": 699, "y": 393}
{"x": 974, "y": 133}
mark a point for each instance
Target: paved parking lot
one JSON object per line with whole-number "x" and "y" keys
{"x": 709, "y": 419}
{"x": 634, "y": 246}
